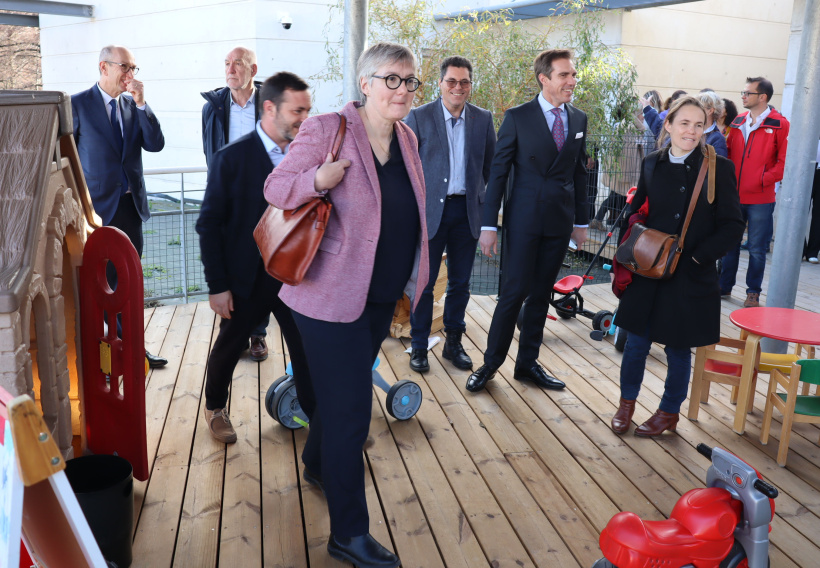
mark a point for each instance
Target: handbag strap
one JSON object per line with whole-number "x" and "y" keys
{"x": 704, "y": 166}
{"x": 340, "y": 137}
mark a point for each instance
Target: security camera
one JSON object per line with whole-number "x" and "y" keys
{"x": 286, "y": 21}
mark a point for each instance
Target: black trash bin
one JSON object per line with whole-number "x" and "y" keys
{"x": 104, "y": 486}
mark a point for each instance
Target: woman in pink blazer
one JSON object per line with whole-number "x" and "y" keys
{"x": 374, "y": 250}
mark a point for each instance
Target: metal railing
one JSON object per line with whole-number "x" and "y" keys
{"x": 171, "y": 265}
{"x": 172, "y": 268}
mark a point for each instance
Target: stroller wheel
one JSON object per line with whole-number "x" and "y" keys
{"x": 566, "y": 309}
{"x": 602, "y": 321}
{"x": 620, "y": 339}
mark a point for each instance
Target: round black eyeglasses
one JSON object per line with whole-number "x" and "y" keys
{"x": 394, "y": 82}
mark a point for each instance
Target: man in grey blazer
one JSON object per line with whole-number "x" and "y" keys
{"x": 456, "y": 145}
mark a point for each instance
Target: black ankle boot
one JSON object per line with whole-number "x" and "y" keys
{"x": 454, "y": 351}
{"x": 363, "y": 551}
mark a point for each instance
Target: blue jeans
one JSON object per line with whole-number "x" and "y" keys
{"x": 633, "y": 364}
{"x": 761, "y": 224}
{"x": 453, "y": 234}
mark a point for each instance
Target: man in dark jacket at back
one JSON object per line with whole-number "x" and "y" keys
{"x": 230, "y": 113}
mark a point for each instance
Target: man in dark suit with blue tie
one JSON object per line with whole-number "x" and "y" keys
{"x": 544, "y": 141}
{"x": 456, "y": 145}
{"x": 240, "y": 291}
{"x": 111, "y": 130}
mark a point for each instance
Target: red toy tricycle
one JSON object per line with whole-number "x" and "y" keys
{"x": 725, "y": 525}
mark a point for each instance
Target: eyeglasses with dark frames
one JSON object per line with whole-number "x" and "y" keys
{"x": 747, "y": 93}
{"x": 393, "y": 82}
{"x": 464, "y": 83}
{"x": 126, "y": 68}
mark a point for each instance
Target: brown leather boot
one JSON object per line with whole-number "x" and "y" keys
{"x": 623, "y": 417}
{"x": 657, "y": 424}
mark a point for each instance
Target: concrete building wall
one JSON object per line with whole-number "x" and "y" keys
{"x": 180, "y": 46}
{"x": 712, "y": 43}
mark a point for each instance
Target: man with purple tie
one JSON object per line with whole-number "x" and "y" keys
{"x": 111, "y": 130}
{"x": 545, "y": 141}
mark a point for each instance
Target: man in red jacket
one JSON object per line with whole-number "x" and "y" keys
{"x": 757, "y": 146}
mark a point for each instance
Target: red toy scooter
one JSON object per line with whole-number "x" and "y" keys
{"x": 725, "y": 525}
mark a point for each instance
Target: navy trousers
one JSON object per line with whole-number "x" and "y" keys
{"x": 233, "y": 339}
{"x": 341, "y": 356}
{"x": 454, "y": 235}
{"x": 530, "y": 266}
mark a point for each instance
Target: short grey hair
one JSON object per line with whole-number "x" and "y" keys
{"x": 710, "y": 100}
{"x": 107, "y": 53}
{"x": 378, "y": 55}
{"x": 249, "y": 55}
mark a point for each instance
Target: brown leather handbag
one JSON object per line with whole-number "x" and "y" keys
{"x": 654, "y": 254}
{"x": 289, "y": 239}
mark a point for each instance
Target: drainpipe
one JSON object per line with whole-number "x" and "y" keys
{"x": 355, "y": 37}
{"x": 795, "y": 193}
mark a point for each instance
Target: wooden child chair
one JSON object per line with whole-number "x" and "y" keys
{"x": 795, "y": 407}
{"x": 719, "y": 366}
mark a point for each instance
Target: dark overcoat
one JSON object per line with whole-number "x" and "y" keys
{"x": 684, "y": 311}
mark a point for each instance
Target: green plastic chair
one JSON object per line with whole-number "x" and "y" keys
{"x": 795, "y": 407}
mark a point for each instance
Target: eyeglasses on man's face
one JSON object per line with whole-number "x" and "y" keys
{"x": 452, "y": 83}
{"x": 394, "y": 82}
{"x": 747, "y": 93}
{"x": 126, "y": 68}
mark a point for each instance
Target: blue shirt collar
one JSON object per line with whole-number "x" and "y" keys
{"x": 270, "y": 145}
{"x": 546, "y": 106}
{"x": 448, "y": 115}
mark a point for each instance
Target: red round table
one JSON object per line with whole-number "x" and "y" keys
{"x": 785, "y": 324}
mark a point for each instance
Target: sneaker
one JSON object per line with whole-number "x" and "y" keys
{"x": 752, "y": 300}
{"x": 814, "y": 260}
{"x": 219, "y": 423}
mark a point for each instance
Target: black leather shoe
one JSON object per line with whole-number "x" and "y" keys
{"x": 155, "y": 362}
{"x": 539, "y": 376}
{"x": 478, "y": 380}
{"x": 418, "y": 360}
{"x": 454, "y": 351}
{"x": 363, "y": 551}
{"x": 313, "y": 479}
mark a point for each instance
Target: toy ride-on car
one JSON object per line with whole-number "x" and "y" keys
{"x": 724, "y": 525}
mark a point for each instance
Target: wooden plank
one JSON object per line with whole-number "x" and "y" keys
{"x": 283, "y": 535}
{"x": 456, "y": 541}
{"x": 171, "y": 326}
{"x": 198, "y": 539}
{"x": 241, "y": 525}
{"x": 411, "y": 534}
{"x": 484, "y": 513}
{"x": 156, "y": 531}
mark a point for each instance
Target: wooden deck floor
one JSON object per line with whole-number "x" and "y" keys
{"x": 511, "y": 477}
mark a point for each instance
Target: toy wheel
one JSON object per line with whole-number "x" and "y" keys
{"x": 603, "y": 563}
{"x": 403, "y": 400}
{"x": 566, "y": 309}
{"x": 282, "y": 403}
{"x": 602, "y": 321}
{"x": 620, "y": 339}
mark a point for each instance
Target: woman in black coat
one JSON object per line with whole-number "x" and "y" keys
{"x": 683, "y": 311}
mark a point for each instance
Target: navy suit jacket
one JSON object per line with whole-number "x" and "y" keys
{"x": 233, "y": 204}
{"x": 428, "y": 124}
{"x": 102, "y": 163}
{"x": 548, "y": 193}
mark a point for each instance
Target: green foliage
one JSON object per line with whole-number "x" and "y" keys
{"x": 149, "y": 270}
{"x": 501, "y": 51}
{"x": 175, "y": 242}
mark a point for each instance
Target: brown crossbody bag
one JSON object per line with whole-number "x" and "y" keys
{"x": 655, "y": 254}
{"x": 289, "y": 239}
